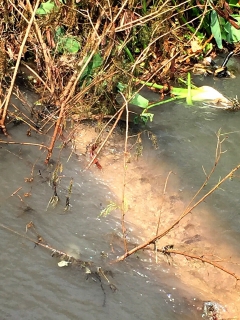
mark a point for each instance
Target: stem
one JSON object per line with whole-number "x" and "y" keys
{"x": 24, "y": 144}
{"x": 109, "y": 134}
{"x": 3, "y": 112}
{"x": 124, "y": 176}
{"x": 57, "y": 131}
{"x": 213, "y": 263}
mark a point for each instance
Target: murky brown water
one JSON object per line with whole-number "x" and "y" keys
{"x": 34, "y": 287}
{"x": 32, "y": 284}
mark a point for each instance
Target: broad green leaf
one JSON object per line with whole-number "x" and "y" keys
{"x": 232, "y": 34}
{"x": 234, "y": 3}
{"x": 66, "y": 44}
{"x": 69, "y": 45}
{"x": 139, "y": 101}
{"x": 215, "y": 28}
{"x": 46, "y": 7}
{"x": 60, "y": 32}
{"x": 97, "y": 61}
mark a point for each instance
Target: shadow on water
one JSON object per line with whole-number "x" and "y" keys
{"x": 33, "y": 286}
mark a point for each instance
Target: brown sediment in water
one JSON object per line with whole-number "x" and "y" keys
{"x": 146, "y": 202}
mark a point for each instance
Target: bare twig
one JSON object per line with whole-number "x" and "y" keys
{"x": 218, "y": 154}
{"x": 201, "y": 258}
{"x": 24, "y": 144}
{"x": 37, "y": 76}
{"x": 45, "y": 50}
{"x": 57, "y": 131}
{"x": 123, "y": 207}
{"x": 184, "y": 214}
{"x": 164, "y": 192}
{"x": 106, "y": 139}
{"x": 3, "y": 111}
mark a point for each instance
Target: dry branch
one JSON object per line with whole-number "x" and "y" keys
{"x": 120, "y": 112}
{"x": 85, "y": 265}
{"x": 184, "y": 214}
{"x": 201, "y": 258}
{"x": 3, "y": 110}
{"x": 24, "y": 144}
{"x": 45, "y": 50}
{"x": 125, "y": 158}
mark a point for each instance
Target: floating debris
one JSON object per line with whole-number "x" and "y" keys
{"x": 63, "y": 263}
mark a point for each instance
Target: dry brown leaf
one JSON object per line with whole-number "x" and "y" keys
{"x": 195, "y": 46}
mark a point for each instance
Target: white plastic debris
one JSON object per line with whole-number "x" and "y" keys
{"x": 63, "y": 263}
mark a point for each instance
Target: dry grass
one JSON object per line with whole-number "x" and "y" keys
{"x": 117, "y": 40}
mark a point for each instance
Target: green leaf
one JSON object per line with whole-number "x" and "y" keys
{"x": 60, "y": 32}
{"x": 139, "y": 101}
{"x": 97, "y": 61}
{"x": 69, "y": 45}
{"x": 109, "y": 208}
{"x": 146, "y": 116}
{"x": 232, "y": 34}
{"x": 46, "y": 7}
{"x": 234, "y": 3}
{"x": 215, "y": 28}
{"x": 66, "y": 44}
{"x": 121, "y": 86}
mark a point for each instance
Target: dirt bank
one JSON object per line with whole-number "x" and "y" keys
{"x": 151, "y": 200}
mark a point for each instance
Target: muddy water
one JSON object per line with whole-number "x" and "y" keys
{"x": 187, "y": 144}
{"x": 34, "y": 287}
{"x": 32, "y": 284}
{"x": 188, "y": 140}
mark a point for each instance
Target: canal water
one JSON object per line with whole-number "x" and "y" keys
{"x": 35, "y": 287}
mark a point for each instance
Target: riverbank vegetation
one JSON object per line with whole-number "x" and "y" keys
{"x": 76, "y": 54}
{"x": 81, "y": 57}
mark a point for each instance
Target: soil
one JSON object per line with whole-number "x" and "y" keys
{"x": 152, "y": 196}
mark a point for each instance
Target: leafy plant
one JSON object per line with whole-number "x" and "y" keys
{"x": 215, "y": 28}
{"x": 229, "y": 33}
{"x": 66, "y": 44}
{"x": 47, "y": 7}
{"x": 92, "y": 66}
{"x": 223, "y": 29}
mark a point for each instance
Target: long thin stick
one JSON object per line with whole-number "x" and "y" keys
{"x": 106, "y": 139}
{"x": 45, "y": 50}
{"x": 164, "y": 193}
{"x": 3, "y": 112}
{"x": 123, "y": 207}
{"x": 213, "y": 263}
{"x": 56, "y": 132}
{"x": 24, "y": 144}
{"x": 186, "y": 211}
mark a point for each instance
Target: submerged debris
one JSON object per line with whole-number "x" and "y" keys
{"x": 66, "y": 260}
{"x": 209, "y": 67}
{"x": 229, "y": 105}
{"x": 213, "y": 310}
